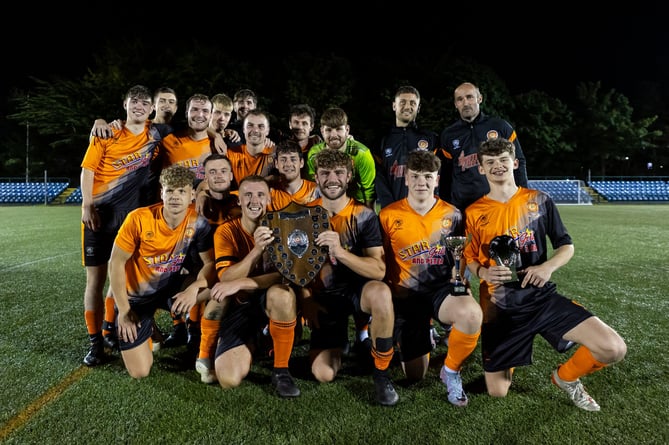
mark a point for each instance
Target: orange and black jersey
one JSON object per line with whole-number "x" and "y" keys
{"x": 158, "y": 251}
{"x": 121, "y": 166}
{"x": 244, "y": 164}
{"x": 232, "y": 243}
{"x": 416, "y": 256}
{"x": 358, "y": 228}
{"x": 529, "y": 217}
{"x": 307, "y": 192}
{"x": 181, "y": 149}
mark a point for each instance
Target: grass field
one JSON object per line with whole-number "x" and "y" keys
{"x": 48, "y": 396}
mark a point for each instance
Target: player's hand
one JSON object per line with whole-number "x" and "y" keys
{"x": 101, "y": 129}
{"x": 536, "y": 275}
{"x": 330, "y": 239}
{"x": 200, "y": 201}
{"x": 270, "y": 144}
{"x": 90, "y": 217}
{"x": 220, "y": 145}
{"x": 263, "y": 237}
{"x": 497, "y": 274}
{"x": 184, "y": 301}
{"x": 127, "y": 325}
{"x": 105, "y": 130}
{"x": 232, "y": 135}
{"x": 221, "y": 290}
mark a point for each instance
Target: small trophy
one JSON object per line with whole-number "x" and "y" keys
{"x": 456, "y": 245}
{"x": 505, "y": 252}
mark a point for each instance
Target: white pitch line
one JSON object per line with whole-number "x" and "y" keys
{"x": 19, "y": 266}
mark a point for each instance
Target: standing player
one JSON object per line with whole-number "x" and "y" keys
{"x": 419, "y": 274}
{"x": 461, "y": 184}
{"x": 190, "y": 146}
{"x": 253, "y": 157}
{"x": 403, "y": 138}
{"x": 146, "y": 264}
{"x": 165, "y": 107}
{"x": 113, "y": 173}
{"x": 350, "y": 283}
{"x": 514, "y": 313}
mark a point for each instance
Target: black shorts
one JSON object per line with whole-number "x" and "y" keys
{"x": 332, "y": 332}
{"x": 97, "y": 246}
{"x": 242, "y": 323}
{"x": 507, "y": 335}
{"x": 413, "y": 312}
{"x": 145, "y": 310}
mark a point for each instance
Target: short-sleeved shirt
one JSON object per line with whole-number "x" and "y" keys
{"x": 245, "y": 164}
{"x": 158, "y": 252}
{"x": 359, "y": 229}
{"x": 416, "y": 256}
{"x": 232, "y": 243}
{"x": 529, "y": 217}
{"x": 121, "y": 169}
{"x": 183, "y": 150}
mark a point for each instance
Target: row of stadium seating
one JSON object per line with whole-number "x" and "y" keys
{"x": 75, "y": 197}
{"x": 632, "y": 190}
{"x": 563, "y": 192}
{"x": 30, "y": 192}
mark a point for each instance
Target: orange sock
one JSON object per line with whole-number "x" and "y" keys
{"x": 460, "y": 346}
{"x": 195, "y": 311}
{"x": 580, "y": 364}
{"x": 110, "y": 314}
{"x": 93, "y": 322}
{"x": 382, "y": 359}
{"x": 209, "y": 329}
{"x": 283, "y": 337}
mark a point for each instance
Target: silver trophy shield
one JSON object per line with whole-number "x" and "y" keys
{"x": 456, "y": 244}
{"x": 504, "y": 250}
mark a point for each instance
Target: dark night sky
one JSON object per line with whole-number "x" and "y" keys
{"x": 552, "y": 51}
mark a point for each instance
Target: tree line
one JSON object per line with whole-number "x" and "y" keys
{"x": 597, "y": 132}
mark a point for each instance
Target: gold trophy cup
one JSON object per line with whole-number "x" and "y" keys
{"x": 456, "y": 245}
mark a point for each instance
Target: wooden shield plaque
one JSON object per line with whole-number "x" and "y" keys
{"x": 294, "y": 252}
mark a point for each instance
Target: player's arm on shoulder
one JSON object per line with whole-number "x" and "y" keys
{"x": 218, "y": 145}
{"x": 105, "y": 130}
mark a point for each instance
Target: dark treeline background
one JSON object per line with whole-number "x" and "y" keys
{"x": 591, "y": 130}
